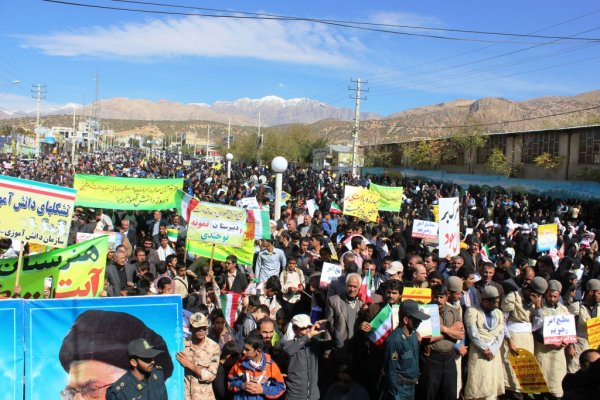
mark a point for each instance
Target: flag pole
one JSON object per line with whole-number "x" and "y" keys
{"x": 20, "y": 263}
{"x": 212, "y": 254}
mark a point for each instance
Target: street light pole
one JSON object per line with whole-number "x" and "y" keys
{"x": 278, "y": 165}
{"x": 229, "y": 157}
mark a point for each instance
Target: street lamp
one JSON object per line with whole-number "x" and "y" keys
{"x": 229, "y": 157}
{"x": 278, "y": 165}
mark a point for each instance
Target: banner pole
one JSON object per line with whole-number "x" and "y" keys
{"x": 186, "y": 250}
{"x": 20, "y": 263}
{"x": 212, "y": 254}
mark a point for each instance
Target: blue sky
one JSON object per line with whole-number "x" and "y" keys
{"x": 192, "y": 59}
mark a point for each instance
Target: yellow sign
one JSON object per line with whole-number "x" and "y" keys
{"x": 361, "y": 203}
{"x": 126, "y": 193}
{"x": 528, "y": 372}
{"x": 593, "y": 332}
{"x": 436, "y": 213}
{"x": 217, "y": 224}
{"x": 35, "y": 212}
{"x": 75, "y": 271}
{"x": 420, "y": 295}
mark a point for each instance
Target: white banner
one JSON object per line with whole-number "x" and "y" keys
{"x": 427, "y": 230}
{"x": 449, "y": 227}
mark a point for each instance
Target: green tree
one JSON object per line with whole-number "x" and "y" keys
{"x": 427, "y": 153}
{"x": 498, "y": 163}
{"x": 547, "y": 161}
{"x": 468, "y": 140}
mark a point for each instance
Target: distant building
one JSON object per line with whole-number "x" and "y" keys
{"x": 578, "y": 149}
{"x": 335, "y": 157}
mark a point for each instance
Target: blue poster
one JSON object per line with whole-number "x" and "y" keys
{"x": 11, "y": 349}
{"x": 80, "y": 345}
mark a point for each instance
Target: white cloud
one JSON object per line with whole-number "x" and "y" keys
{"x": 281, "y": 85}
{"x": 294, "y": 42}
{"x": 402, "y": 18}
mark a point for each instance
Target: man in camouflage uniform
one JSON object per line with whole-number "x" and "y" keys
{"x": 200, "y": 358}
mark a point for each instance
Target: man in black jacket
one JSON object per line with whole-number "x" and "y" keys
{"x": 235, "y": 280}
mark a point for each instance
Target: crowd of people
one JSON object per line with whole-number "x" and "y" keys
{"x": 295, "y": 338}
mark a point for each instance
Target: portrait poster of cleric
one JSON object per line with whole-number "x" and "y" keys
{"x": 80, "y": 346}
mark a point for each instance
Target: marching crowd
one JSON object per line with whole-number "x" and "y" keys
{"x": 295, "y": 338}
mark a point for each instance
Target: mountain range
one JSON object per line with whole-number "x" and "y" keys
{"x": 488, "y": 114}
{"x": 273, "y": 111}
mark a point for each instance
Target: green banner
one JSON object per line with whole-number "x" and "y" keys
{"x": 244, "y": 254}
{"x": 75, "y": 271}
{"x": 391, "y": 197}
{"x": 126, "y": 193}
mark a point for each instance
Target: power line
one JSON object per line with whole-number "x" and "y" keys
{"x": 487, "y": 69}
{"x": 480, "y": 48}
{"x": 496, "y": 77}
{"x": 394, "y": 125}
{"x": 319, "y": 21}
{"x": 494, "y": 57}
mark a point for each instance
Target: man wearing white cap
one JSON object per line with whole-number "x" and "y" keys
{"x": 551, "y": 357}
{"x": 485, "y": 326}
{"x": 518, "y": 334}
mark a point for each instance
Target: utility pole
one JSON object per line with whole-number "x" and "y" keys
{"x": 356, "y": 123}
{"x": 73, "y": 140}
{"x": 260, "y": 142}
{"x": 95, "y": 128}
{"x": 229, "y": 134}
{"x": 207, "y": 139}
{"x": 39, "y": 93}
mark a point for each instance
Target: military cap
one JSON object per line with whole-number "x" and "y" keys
{"x": 198, "y": 320}
{"x": 105, "y": 336}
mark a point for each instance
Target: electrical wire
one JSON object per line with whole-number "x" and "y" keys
{"x": 325, "y": 22}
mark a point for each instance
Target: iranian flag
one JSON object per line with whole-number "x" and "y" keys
{"x": 229, "y": 305}
{"x": 185, "y": 204}
{"x": 485, "y": 253}
{"x": 366, "y": 288}
{"x": 381, "y": 326}
{"x": 257, "y": 224}
{"x": 334, "y": 208}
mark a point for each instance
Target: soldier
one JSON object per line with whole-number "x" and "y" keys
{"x": 401, "y": 357}
{"x": 200, "y": 358}
{"x": 144, "y": 380}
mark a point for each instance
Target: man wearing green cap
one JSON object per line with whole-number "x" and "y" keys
{"x": 144, "y": 380}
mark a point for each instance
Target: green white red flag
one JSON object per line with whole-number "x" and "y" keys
{"x": 381, "y": 326}
{"x": 229, "y": 305}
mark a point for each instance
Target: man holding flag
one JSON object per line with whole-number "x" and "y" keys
{"x": 375, "y": 324}
{"x": 401, "y": 354}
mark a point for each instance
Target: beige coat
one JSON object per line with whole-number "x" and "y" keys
{"x": 553, "y": 362}
{"x": 582, "y": 338}
{"x": 517, "y": 318}
{"x": 485, "y": 378}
